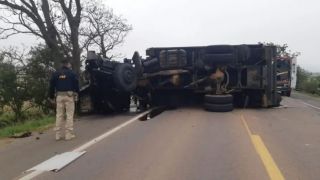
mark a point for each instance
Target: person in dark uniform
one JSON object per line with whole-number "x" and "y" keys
{"x": 64, "y": 86}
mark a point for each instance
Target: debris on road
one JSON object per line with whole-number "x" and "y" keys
{"x": 21, "y": 135}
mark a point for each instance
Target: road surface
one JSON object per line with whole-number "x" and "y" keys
{"x": 190, "y": 143}
{"x": 18, "y": 155}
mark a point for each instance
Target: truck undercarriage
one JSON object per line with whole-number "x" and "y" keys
{"x": 219, "y": 76}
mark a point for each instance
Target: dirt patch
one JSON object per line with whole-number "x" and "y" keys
{"x": 5, "y": 141}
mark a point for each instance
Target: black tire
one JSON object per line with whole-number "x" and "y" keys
{"x": 278, "y": 100}
{"x": 219, "y": 49}
{"x": 218, "y": 107}
{"x": 214, "y": 59}
{"x": 125, "y": 77}
{"x": 218, "y": 99}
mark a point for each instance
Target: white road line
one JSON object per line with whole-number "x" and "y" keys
{"x": 105, "y": 135}
{"x": 33, "y": 174}
{"x": 311, "y": 105}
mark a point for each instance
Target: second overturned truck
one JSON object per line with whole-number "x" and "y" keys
{"x": 218, "y": 76}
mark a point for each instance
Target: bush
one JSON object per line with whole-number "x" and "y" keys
{"x": 307, "y": 82}
{"x": 24, "y": 78}
{"x": 6, "y": 119}
{"x": 38, "y": 72}
{"x": 311, "y": 86}
{"x": 34, "y": 113}
{"x": 13, "y": 88}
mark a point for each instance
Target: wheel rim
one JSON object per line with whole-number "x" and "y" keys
{"x": 128, "y": 76}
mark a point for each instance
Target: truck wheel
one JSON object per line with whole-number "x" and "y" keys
{"x": 278, "y": 100}
{"x": 219, "y": 49}
{"x": 218, "y": 103}
{"x": 218, "y": 107}
{"x": 218, "y": 99}
{"x": 125, "y": 77}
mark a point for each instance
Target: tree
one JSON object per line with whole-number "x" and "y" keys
{"x": 46, "y": 20}
{"x": 302, "y": 78}
{"x": 38, "y": 73}
{"x": 307, "y": 81}
{"x": 1, "y": 84}
{"x": 59, "y": 24}
{"x": 283, "y": 50}
{"x": 24, "y": 79}
{"x": 13, "y": 88}
{"x": 106, "y": 29}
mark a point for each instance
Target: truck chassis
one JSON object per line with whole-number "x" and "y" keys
{"x": 219, "y": 76}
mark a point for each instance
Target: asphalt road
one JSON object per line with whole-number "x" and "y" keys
{"x": 18, "y": 155}
{"x": 190, "y": 143}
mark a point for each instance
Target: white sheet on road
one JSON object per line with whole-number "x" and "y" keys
{"x": 57, "y": 162}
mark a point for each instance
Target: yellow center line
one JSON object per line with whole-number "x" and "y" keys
{"x": 268, "y": 162}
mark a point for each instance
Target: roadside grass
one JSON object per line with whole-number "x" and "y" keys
{"x": 315, "y": 95}
{"x": 39, "y": 124}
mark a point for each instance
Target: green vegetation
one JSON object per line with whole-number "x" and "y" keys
{"x": 307, "y": 82}
{"x": 24, "y": 74}
{"x": 28, "y": 126}
{"x": 23, "y": 88}
{"x": 32, "y": 119}
{"x": 24, "y": 79}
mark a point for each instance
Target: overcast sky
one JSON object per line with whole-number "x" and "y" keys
{"x": 206, "y": 22}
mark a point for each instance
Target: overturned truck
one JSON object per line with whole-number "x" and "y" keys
{"x": 218, "y": 76}
{"x": 108, "y": 85}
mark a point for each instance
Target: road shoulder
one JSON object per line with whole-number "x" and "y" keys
{"x": 28, "y": 152}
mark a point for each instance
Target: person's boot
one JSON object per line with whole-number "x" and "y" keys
{"x": 58, "y": 136}
{"x": 70, "y": 136}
